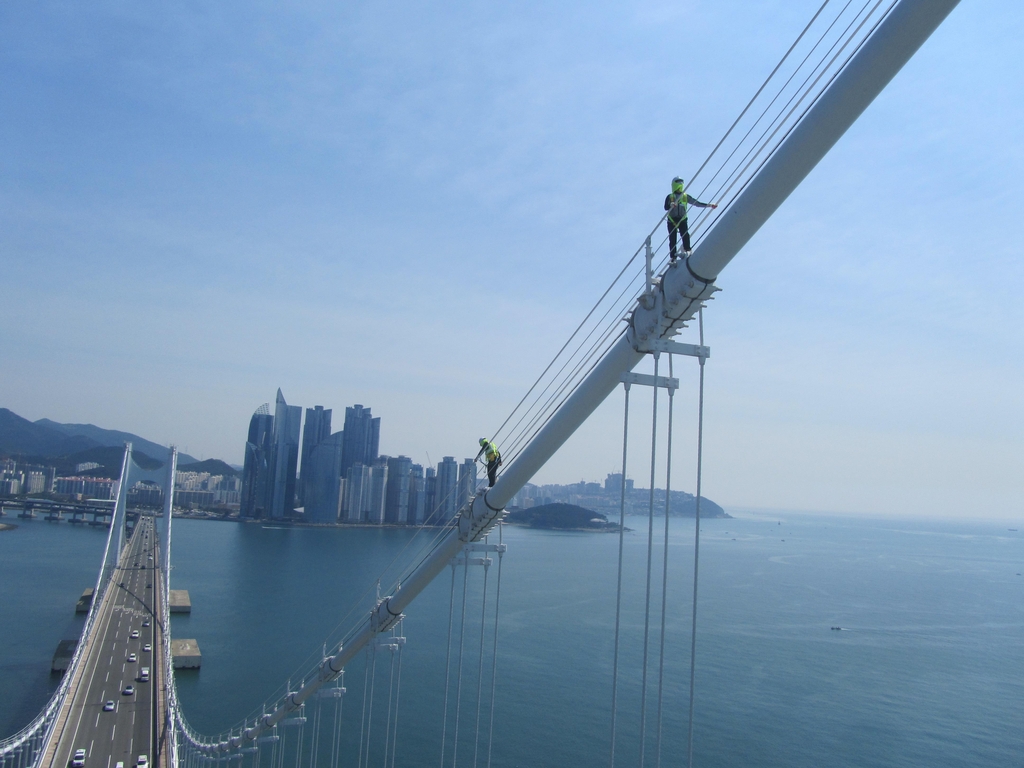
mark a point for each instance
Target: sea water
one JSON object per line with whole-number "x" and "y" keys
{"x": 927, "y": 670}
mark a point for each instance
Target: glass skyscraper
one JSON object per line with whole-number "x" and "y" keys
{"x": 256, "y": 470}
{"x": 321, "y": 479}
{"x": 287, "y": 423}
{"x": 362, "y": 438}
{"x": 316, "y": 430}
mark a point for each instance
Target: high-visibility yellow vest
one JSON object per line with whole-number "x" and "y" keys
{"x": 678, "y": 210}
{"x": 490, "y": 450}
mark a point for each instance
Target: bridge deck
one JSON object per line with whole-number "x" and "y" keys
{"x": 120, "y": 736}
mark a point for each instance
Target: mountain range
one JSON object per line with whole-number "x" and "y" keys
{"x": 63, "y": 445}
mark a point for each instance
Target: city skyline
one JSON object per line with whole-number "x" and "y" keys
{"x": 341, "y": 477}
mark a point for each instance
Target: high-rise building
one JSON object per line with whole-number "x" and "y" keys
{"x": 316, "y": 429}
{"x": 287, "y": 424}
{"x": 374, "y": 509}
{"x": 467, "y": 482}
{"x": 446, "y": 491}
{"x": 396, "y": 507}
{"x": 430, "y": 497}
{"x": 417, "y": 495}
{"x": 321, "y": 479}
{"x": 362, "y": 437}
{"x": 256, "y": 470}
{"x": 357, "y": 486}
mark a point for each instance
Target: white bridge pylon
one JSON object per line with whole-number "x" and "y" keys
{"x": 35, "y": 745}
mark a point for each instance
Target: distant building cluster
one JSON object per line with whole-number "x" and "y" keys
{"x": 203, "y": 490}
{"x": 102, "y": 488}
{"x": 340, "y": 477}
{"x": 605, "y": 498}
{"x": 20, "y": 479}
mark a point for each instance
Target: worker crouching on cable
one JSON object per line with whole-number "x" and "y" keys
{"x": 675, "y": 204}
{"x": 490, "y": 452}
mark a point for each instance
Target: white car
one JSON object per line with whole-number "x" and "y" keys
{"x": 108, "y": 706}
{"x": 147, "y": 648}
{"x": 78, "y": 761}
{"x": 132, "y": 657}
{"x": 135, "y": 634}
{"x": 143, "y": 761}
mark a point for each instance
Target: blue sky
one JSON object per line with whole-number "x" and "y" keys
{"x": 410, "y": 207}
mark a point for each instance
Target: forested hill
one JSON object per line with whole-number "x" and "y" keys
{"x": 560, "y": 517}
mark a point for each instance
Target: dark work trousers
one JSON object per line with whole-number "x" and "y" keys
{"x": 492, "y": 471}
{"x": 673, "y": 228}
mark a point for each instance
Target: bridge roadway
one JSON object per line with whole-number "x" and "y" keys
{"x": 130, "y": 730}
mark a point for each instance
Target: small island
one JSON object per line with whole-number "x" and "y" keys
{"x": 561, "y": 517}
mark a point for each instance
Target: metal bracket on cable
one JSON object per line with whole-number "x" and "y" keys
{"x": 467, "y": 560}
{"x": 647, "y": 380}
{"x": 480, "y": 546}
{"x": 675, "y": 348}
{"x": 389, "y": 643}
{"x": 331, "y": 693}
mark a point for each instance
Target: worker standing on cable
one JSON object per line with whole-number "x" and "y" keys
{"x": 675, "y": 204}
{"x": 490, "y": 452}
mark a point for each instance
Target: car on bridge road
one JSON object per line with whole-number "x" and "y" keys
{"x": 108, "y": 706}
{"x": 143, "y": 761}
{"x": 135, "y": 634}
{"x": 132, "y": 657}
{"x": 129, "y": 690}
{"x": 78, "y": 761}
{"x": 145, "y": 623}
{"x": 147, "y": 648}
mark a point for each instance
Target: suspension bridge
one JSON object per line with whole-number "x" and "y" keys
{"x": 837, "y": 65}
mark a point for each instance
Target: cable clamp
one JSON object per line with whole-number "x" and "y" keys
{"x": 694, "y": 275}
{"x": 647, "y": 380}
{"x": 675, "y": 348}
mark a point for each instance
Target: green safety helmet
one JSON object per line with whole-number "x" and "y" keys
{"x": 677, "y": 185}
